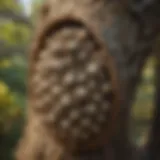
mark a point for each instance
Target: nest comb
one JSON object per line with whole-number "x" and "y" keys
{"x": 73, "y": 84}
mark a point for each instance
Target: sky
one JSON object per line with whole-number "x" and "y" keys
{"x": 27, "y": 4}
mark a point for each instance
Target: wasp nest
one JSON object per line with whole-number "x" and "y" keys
{"x": 71, "y": 88}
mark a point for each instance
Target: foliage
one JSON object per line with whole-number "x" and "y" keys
{"x": 13, "y": 69}
{"x": 142, "y": 110}
{"x": 14, "y": 74}
{"x": 12, "y": 102}
{"x": 10, "y": 4}
{"x": 9, "y": 111}
{"x": 143, "y": 105}
{"x": 13, "y": 33}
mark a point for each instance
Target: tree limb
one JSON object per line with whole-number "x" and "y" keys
{"x": 16, "y": 17}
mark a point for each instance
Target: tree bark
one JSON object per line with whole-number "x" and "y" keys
{"x": 124, "y": 149}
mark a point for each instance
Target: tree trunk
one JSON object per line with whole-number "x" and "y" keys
{"x": 124, "y": 148}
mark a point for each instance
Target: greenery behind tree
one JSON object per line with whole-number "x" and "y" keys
{"x": 15, "y": 30}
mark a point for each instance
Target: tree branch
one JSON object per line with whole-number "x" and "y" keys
{"x": 16, "y": 17}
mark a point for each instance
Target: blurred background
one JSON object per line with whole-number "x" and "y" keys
{"x": 16, "y": 22}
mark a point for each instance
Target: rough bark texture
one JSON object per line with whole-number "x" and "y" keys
{"x": 146, "y": 15}
{"x": 131, "y": 39}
